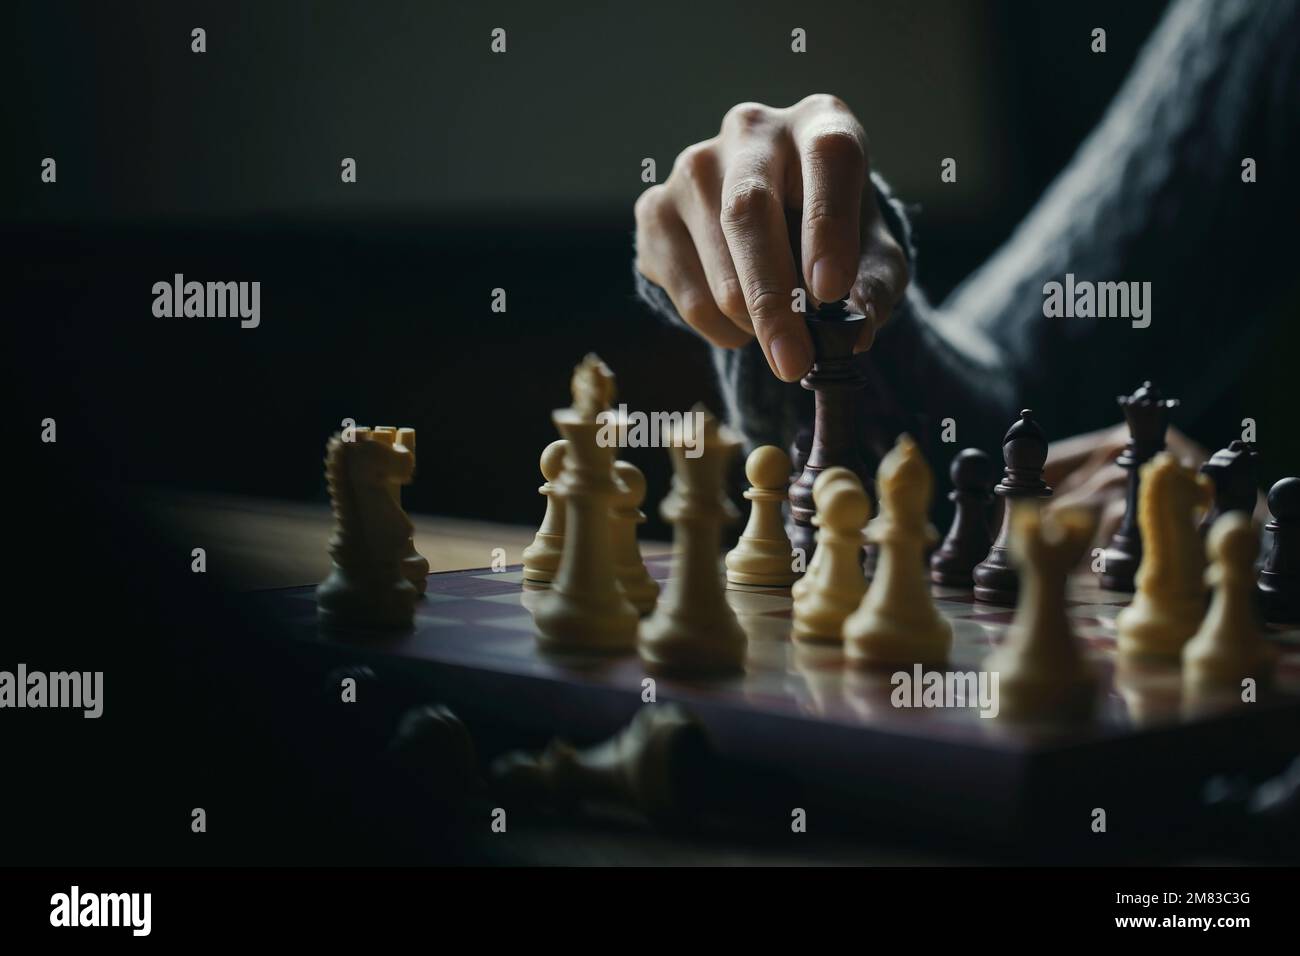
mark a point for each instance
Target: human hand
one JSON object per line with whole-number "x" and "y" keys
{"x": 715, "y": 234}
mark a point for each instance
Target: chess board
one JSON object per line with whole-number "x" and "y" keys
{"x": 799, "y": 710}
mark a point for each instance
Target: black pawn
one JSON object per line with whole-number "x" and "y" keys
{"x": 1147, "y": 414}
{"x": 832, "y": 379}
{"x": 1279, "y": 581}
{"x": 1024, "y": 449}
{"x": 1235, "y": 473}
{"x": 968, "y": 540}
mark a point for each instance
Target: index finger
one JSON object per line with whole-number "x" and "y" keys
{"x": 753, "y": 223}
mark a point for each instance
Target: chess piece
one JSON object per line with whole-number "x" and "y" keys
{"x": 1024, "y": 450}
{"x": 436, "y": 752}
{"x": 897, "y": 621}
{"x": 763, "y": 555}
{"x": 1041, "y": 670}
{"x": 833, "y": 590}
{"x": 644, "y": 767}
{"x": 1147, "y": 413}
{"x": 1279, "y": 580}
{"x": 968, "y": 541}
{"x": 641, "y": 589}
{"x": 415, "y": 566}
{"x": 586, "y": 609}
{"x": 1170, "y": 599}
{"x": 542, "y": 557}
{"x": 693, "y": 630}
{"x": 833, "y": 379}
{"x": 1229, "y": 646}
{"x": 367, "y": 587}
{"x": 1235, "y": 473}
{"x": 828, "y": 476}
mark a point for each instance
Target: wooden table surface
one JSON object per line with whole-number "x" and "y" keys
{"x": 265, "y": 543}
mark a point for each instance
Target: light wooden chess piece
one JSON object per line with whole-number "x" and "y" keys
{"x": 415, "y": 567}
{"x": 763, "y": 556}
{"x": 693, "y": 629}
{"x": 833, "y": 590}
{"x": 586, "y": 609}
{"x": 542, "y": 557}
{"x": 367, "y": 587}
{"x": 1170, "y": 598}
{"x": 1041, "y": 670}
{"x": 897, "y": 621}
{"x": 1229, "y": 646}
{"x": 629, "y": 567}
{"x": 833, "y": 474}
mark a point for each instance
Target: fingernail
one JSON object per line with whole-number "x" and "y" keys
{"x": 827, "y": 281}
{"x": 790, "y": 355}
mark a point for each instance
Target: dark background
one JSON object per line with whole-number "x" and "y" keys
{"x": 475, "y": 172}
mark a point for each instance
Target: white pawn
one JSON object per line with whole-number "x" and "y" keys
{"x": 833, "y": 474}
{"x": 1170, "y": 599}
{"x": 1229, "y": 646}
{"x": 693, "y": 629}
{"x": 542, "y": 557}
{"x": 625, "y": 514}
{"x": 763, "y": 557}
{"x": 897, "y": 621}
{"x": 832, "y": 591}
{"x": 1041, "y": 670}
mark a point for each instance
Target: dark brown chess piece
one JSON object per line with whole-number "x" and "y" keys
{"x": 968, "y": 541}
{"x": 1279, "y": 580}
{"x": 1235, "y": 473}
{"x": 833, "y": 379}
{"x": 1147, "y": 414}
{"x": 1024, "y": 449}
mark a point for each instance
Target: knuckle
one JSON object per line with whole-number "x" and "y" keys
{"x": 697, "y": 164}
{"x": 819, "y": 212}
{"x": 824, "y": 101}
{"x": 747, "y": 201}
{"x": 746, "y": 116}
{"x": 730, "y": 298}
{"x": 838, "y": 144}
{"x": 767, "y": 300}
{"x": 649, "y": 207}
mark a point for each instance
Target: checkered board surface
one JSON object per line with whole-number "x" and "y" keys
{"x": 480, "y": 622}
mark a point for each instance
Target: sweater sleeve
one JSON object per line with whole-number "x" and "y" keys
{"x": 1155, "y": 196}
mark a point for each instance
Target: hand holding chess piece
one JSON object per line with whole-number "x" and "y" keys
{"x": 897, "y": 621}
{"x": 1170, "y": 599}
{"x": 763, "y": 556}
{"x": 1041, "y": 671}
{"x": 368, "y": 587}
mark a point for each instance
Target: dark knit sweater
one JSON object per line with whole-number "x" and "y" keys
{"x": 1154, "y": 194}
